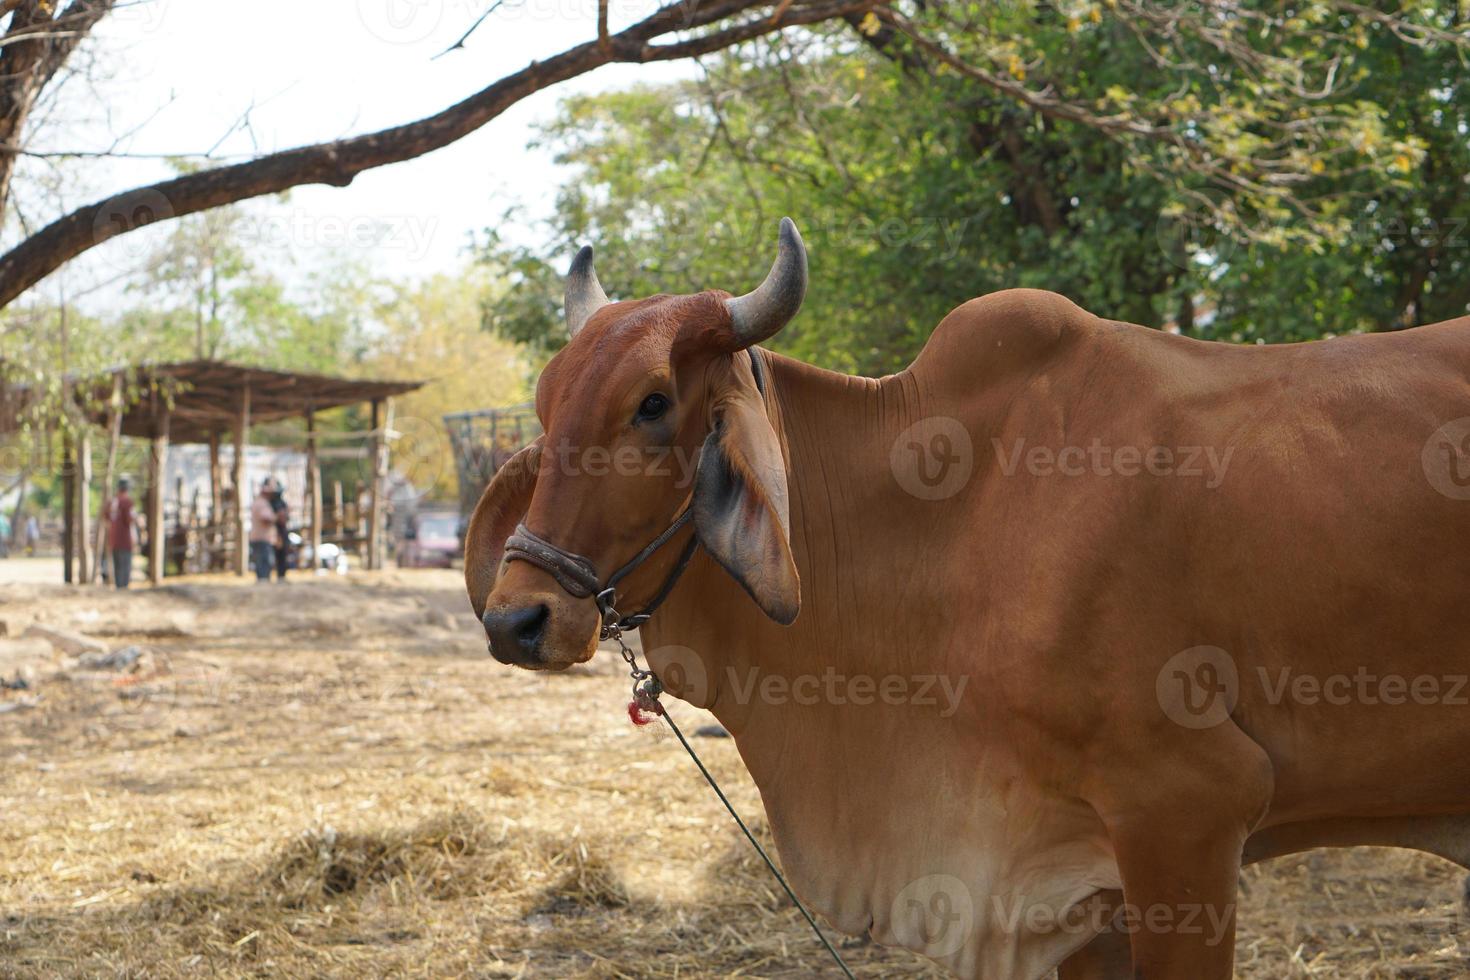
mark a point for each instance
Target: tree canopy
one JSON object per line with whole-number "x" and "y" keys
{"x": 1256, "y": 173}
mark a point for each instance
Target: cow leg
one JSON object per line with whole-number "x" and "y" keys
{"x": 1178, "y": 821}
{"x": 1107, "y": 957}
{"x": 1179, "y": 906}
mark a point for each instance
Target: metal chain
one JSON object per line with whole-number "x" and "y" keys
{"x": 646, "y": 690}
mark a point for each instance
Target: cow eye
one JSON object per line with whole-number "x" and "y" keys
{"x": 653, "y": 407}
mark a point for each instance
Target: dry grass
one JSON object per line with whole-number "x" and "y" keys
{"x": 329, "y": 779}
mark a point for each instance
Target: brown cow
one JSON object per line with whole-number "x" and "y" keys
{"x": 1089, "y": 614}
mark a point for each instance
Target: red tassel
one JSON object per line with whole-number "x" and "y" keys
{"x": 636, "y": 712}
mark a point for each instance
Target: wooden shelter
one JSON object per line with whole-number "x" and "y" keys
{"x": 210, "y": 402}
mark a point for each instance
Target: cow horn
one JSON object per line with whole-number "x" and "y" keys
{"x": 759, "y": 314}
{"x": 584, "y": 293}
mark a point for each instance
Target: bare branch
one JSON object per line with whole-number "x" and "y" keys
{"x": 457, "y": 45}
{"x": 338, "y": 163}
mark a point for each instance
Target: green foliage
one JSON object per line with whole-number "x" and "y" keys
{"x": 207, "y": 297}
{"x": 1232, "y": 177}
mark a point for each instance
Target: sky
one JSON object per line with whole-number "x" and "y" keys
{"x": 177, "y": 76}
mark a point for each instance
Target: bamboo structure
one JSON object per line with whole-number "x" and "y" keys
{"x": 205, "y": 402}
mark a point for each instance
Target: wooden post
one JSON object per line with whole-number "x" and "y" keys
{"x": 68, "y": 508}
{"x": 375, "y": 505}
{"x": 109, "y": 472}
{"x": 213, "y": 537}
{"x": 242, "y": 492}
{"x": 382, "y": 425}
{"x": 338, "y": 516}
{"x": 157, "y": 470}
{"x": 313, "y": 490}
{"x": 84, "y": 505}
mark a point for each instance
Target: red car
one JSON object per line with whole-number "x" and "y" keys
{"x": 431, "y": 541}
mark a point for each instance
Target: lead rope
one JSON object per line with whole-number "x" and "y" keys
{"x": 646, "y": 690}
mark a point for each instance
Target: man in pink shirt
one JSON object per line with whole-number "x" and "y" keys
{"x": 263, "y": 532}
{"x": 120, "y": 537}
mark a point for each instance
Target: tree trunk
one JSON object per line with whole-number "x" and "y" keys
{"x": 35, "y": 46}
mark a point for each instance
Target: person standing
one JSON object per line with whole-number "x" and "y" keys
{"x": 262, "y": 532}
{"x": 121, "y": 523}
{"x": 33, "y": 534}
{"x": 283, "y": 533}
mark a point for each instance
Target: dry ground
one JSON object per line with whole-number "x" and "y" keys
{"x": 331, "y": 779}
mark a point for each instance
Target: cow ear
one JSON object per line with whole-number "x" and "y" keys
{"x": 740, "y": 503}
{"x": 502, "y": 506}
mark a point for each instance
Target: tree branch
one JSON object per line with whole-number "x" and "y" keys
{"x": 337, "y": 163}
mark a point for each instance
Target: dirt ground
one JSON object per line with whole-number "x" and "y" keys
{"x": 330, "y": 778}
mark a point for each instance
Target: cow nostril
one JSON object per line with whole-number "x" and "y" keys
{"x": 515, "y": 634}
{"x": 530, "y": 624}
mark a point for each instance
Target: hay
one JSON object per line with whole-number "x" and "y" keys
{"x": 316, "y": 801}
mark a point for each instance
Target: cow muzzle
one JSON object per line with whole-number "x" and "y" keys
{"x": 531, "y": 623}
{"x": 515, "y": 633}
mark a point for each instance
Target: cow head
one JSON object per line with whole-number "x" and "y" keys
{"x": 652, "y": 406}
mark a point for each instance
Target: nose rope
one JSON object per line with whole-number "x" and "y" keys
{"x": 577, "y": 575}
{"x": 646, "y": 690}
{"x": 573, "y": 573}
